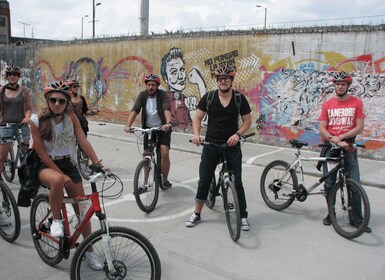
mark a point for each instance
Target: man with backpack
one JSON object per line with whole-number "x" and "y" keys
{"x": 223, "y": 106}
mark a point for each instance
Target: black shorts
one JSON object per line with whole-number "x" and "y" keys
{"x": 162, "y": 138}
{"x": 68, "y": 168}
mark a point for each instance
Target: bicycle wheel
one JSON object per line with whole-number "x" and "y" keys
{"x": 213, "y": 190}
{"x": 41, "y": 219}
{"x": 9, "y": 214}
{"x": 349, "y": 209}
{"x": 232, "y": 211}
{"x": 146, "y": 185}
{"x": 277, "y": 185}
{"x": 83, "y": 162}
{"x": 9, "y": 168}
{"x": 132, "y": 255}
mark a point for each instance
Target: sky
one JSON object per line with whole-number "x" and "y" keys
{"x": 62, "y": 19}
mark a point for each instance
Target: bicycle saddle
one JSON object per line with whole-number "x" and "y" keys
{"x": 298, "y": 143}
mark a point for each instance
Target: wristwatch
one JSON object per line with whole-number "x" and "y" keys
{"x": 237, "y": 133}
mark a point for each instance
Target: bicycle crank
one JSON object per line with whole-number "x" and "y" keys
{"x": 301, "y": 193}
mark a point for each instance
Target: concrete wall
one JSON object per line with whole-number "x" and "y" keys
{"x": 283, "y": 73}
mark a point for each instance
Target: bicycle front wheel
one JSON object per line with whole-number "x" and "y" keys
{"x": 83, "y": 162}
{"x": 9, "y": 168}
{"x": 277, "y": 185}
{"x": 146, "y": 185}
{"x": 9, "y": 214}
{"x": 349, "y": 209}
{"x": 232, "y": 211}
{"x": 130, "y": 253}
{"x": 41, "y": 219}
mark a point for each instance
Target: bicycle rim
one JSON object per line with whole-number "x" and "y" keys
{"x": 232, "y": 211}
{"x": 83, "y": 162}
{"x": 40, "y": 220}
{"x": 349, "y": 209}
{"x": 9, "y": 169}
{"x": 133, "y": 256}
{"x": 277, "y": 185}
{"x": 146, "y": 185}
{"x": 9, "y": 214}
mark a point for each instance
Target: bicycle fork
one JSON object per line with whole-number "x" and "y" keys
{"x": 106, "y": 238}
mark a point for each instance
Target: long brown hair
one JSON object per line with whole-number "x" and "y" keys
{"x": 46, "y": 116}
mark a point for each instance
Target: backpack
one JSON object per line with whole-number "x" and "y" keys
{"x": 210, "y": 98}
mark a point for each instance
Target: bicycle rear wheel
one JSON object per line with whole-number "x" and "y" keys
{"x": 132, "y": 255}
{"x": 232, "y": 211}
{"x": 41, "y": 219}
{"x": 277, "y": 185}
{"x": 9, "y": 214}
{"x": 9, "y": 169}
{"x": 83, "y": 162}
{"x": 146, "y": 185}
{"x": 349, "y": 209}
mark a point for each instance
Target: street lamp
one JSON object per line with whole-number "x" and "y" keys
{"x": 93, "y": 17}
{"x": 260, "y": 6}
{"x": 82, "y": 24}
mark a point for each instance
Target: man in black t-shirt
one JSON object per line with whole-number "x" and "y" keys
{"x": 223, "y": 107}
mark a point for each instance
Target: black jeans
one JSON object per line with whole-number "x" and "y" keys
{"x": 211, "y": 156}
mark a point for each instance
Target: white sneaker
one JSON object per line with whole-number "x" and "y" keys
{"x": 94, "y": 261}
{"x": 57, "y": 229}
{"x": 4, "y": 221}
{"x": 245, "y": 224}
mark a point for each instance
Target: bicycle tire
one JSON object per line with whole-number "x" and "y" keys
{"x": 210, "y": 201}
{"x": 40, "y": 220}
{"x": 340, "y": 208}
{"x": 82, "y": 161}
{"x": 146, "y": 191}
{"x": 277, "y": 190}
{"x": 134, "y": 256}
{"x": 9, "y": 166}
{"x": 232, "y": 210}
{"x": 9, "y": 213}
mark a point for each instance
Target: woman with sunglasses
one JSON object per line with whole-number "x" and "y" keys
{"x": 55, "y": 133}
{"x": 79, "y": 103}
{"x": 15, "y": 107}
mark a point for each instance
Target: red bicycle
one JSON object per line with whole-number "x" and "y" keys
{"x": 123, "y": 252}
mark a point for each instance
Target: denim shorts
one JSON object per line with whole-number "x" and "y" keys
{"x": 8, "y": 133}
{"x": 67, "y": 167}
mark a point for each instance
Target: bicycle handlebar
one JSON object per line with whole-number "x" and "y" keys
{"x": 18, "y": 125}
{"x": 353, "y": 145}
{"x": 241, "y": 139}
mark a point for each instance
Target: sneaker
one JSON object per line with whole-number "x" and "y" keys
{"x": 167, "y": 185}
{"x": 4, "y": 221}
{"x": 327, "y": 221}
{"x": 194, "y": 219}
{"x": 367, "y": 230}
{"x": 93, "y": 261}
{"x": 245, "y": 226}
{"x": 56, "y": 229}
{"x": 142, "y": 189}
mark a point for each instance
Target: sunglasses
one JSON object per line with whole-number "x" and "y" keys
{"x": 54, "y": 100}
{"x": 75, "y": 86}
{"x": 13, "y": 74}
{"x": 223, "y": 79}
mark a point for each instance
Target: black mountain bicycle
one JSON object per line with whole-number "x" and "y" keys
{"x": 225, "y": 187}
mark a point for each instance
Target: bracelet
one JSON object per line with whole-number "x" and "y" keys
{"x": 237, "y": 133}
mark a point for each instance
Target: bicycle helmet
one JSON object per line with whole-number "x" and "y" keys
{"x": 341, "y": 77}
{"x": 225, "y": 70}
{"x": 72, "y": 82}
{"x": 152, "y": 77}
{"x": 12, "y": 69}
{"x": 57, "y": 87}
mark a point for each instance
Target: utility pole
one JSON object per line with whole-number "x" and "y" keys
{"x": 24, "y": 24}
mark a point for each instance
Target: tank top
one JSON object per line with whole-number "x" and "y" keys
{"x": 13, "y": 108}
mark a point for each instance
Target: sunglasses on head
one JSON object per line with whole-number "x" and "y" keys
{"x": 54, "y": 100}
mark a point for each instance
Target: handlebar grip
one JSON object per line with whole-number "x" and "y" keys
{"x": 248, "y": 135}
{"x": 97, "y": 168}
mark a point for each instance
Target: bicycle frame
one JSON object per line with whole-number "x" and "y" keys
{"x": 19, "y": 138}
{"x": 297, "y": 163}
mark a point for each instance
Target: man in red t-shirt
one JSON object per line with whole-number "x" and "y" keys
{"x": 341, "y": 120}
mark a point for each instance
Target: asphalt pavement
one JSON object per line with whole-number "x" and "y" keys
{"x": 372, "y": 171}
